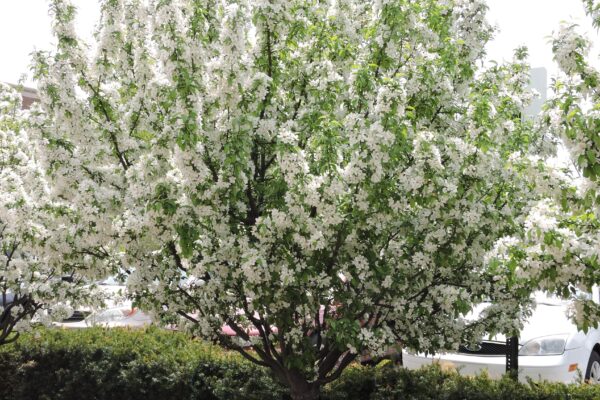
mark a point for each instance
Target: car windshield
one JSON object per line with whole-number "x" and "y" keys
{"x": 553, "y": 300}
{"x": 549, "y": 299}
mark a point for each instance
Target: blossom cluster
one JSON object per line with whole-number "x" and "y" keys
{"x": 559, "y": 248}
{"x": 336, "y": 184}
{"x": 29, "y": 285}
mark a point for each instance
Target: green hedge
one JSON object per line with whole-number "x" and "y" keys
{"x": 154, "y": 364}
{"x": 126, "y": 364}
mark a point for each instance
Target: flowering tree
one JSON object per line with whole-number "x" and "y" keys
{"x": 559, "y": 248}
{"x": 28, "y": 285}
{"x": 573, "y": 111}
{"x": 333, "y": 176}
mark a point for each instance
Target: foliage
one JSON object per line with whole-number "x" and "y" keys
{"x": 434, "y": 383}
{"x": 335, "y": 176}
{"x": 592, "y": 7}
{"x": 155, "y": 364}
{"x": 28, "y": 285}
{"x": 115, "y": 364}
{"x": 559, "y": 246}
{"x": 573, "y": 112}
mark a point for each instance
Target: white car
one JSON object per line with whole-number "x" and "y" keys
{"x": 123, "y": 316}
{"x": 550, "y": 348}
{"x": 114, "y": 294}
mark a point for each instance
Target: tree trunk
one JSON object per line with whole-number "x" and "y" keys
{"x": 308, "y": 391}
{"x": 301, "y": 389}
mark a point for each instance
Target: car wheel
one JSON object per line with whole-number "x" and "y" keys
{"x": 592, "y": 373}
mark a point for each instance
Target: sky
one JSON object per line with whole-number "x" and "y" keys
{"x": 25, "y": 26}
{"x": 531, "y": 23}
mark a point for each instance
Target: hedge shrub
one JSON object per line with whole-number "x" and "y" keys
{"x": 126, "y": 364}
{"x": 101, "y": 364}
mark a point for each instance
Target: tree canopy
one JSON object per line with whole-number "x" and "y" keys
{"x": 29, "y": 222}
{"x": 337, "y": 176}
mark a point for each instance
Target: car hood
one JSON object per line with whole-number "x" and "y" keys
{"x": 547, "y": 318}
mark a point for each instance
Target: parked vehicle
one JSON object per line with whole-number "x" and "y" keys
{"x": 123, "y": 316}
{"x": 550, "y": 348}
{"x": 114, "y": 293}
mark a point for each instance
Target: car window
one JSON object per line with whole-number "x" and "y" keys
{"x": 107, "y": 316}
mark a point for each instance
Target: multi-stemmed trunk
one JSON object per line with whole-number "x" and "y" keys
{"x": 300, "y": 388}
{"x": 305, "y": 390}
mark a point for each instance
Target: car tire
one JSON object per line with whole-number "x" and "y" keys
{"x": 592, "y": 372}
